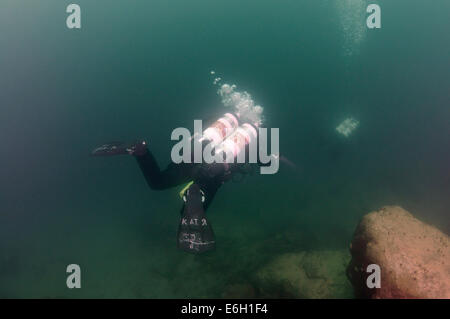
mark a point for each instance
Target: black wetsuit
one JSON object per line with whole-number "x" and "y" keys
{"x": 209, "y": 177}
{"x": 195, "y": 233}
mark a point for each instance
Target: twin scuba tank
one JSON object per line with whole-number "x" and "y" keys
{"x": 228, "y": 137}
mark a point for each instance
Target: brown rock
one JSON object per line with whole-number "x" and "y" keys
{"x": 414, "y": 257}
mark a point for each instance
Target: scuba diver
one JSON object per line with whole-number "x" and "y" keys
{"x": 226, "y": 136}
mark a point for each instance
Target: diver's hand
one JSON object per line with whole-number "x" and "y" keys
{"x": 120, "y": 148}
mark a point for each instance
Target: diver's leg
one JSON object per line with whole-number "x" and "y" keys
{"x": 173, "y": 175}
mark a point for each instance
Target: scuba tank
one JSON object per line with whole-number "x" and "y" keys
{"x": 237, "y": 142}
{"x": 220, "y": 129}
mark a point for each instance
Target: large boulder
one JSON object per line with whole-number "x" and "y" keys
{"x": 414, "y": 257}
{"x": 315, "y": 274}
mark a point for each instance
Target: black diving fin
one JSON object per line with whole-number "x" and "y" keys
{"x": 195, "y": 234}
{"x": 120, "y": 148}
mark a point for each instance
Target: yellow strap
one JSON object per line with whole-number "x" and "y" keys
{"x": 185, "y": 188}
